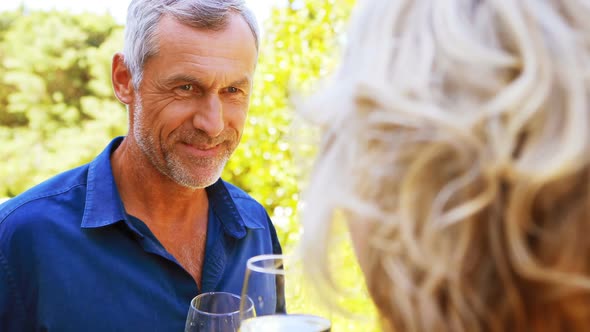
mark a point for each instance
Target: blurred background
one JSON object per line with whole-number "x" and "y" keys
{"x": 58, "y": 111}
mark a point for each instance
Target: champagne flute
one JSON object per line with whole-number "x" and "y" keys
{"x": 276, "y": 286}
{"x": 217, "y": 312}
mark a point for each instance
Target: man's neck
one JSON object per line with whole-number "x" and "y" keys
{"x": 176, "y": 215}
{"x": 152, "y": 196}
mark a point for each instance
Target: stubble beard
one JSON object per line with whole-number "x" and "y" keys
{"x": 188, "y": 171}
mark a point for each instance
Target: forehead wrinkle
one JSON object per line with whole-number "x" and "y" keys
{"x": 211, "y": 43}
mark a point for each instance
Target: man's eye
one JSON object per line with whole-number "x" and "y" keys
{"x": 186, "y": 87}
{"x": 231, "y": 89}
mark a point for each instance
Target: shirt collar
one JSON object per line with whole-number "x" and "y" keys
{"x": 104, "y": 206}
{"x": 103, "y": 203}
{"x": 226, "y": 210}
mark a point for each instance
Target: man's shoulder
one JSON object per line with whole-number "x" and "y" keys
{"x": 39, "y": 199}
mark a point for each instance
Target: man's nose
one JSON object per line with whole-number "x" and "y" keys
{"x": 209, "y": 116}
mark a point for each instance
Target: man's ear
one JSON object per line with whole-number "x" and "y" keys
{"x": 122, "y": 81}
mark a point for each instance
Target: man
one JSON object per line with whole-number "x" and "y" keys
{"x": 125, "y": 242}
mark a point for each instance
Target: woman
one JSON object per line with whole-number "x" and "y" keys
{"x": 456, "y": 146}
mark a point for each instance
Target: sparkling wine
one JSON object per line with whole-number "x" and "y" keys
{"x": 286, "y": 323}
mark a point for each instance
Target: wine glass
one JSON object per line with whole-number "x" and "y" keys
{"x": 275, "y": 285}
{"x": 217, "y": 311}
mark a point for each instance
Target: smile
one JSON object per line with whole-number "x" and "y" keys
{"x": 202, "y": 151}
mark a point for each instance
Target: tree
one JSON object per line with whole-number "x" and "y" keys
{"x": 57, "y": 109}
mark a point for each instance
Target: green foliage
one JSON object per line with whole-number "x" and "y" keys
{"x": 56, "y": 105}
{"x": 57, "y": 109}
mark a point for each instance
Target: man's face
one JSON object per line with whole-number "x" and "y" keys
{"x": 189, "y": 113}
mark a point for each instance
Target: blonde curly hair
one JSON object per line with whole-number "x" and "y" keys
{"x": 456, "y": 133}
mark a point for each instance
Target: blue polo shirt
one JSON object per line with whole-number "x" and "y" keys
{"x": 72, "y": 259}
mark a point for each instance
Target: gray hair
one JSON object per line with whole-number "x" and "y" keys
{"x": 143, "y": 17}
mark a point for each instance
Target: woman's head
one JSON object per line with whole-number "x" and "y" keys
{"x": 457, "y": 137}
